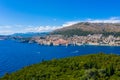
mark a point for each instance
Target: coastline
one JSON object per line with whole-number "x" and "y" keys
{"x": 78, "y": 45}
{"x": 75, "y": 44}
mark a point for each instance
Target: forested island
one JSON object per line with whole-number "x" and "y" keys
{"x": 98, "y": 66}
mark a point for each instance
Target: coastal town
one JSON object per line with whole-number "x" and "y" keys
{"x": 56, "y": 40}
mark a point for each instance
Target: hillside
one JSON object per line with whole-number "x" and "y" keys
{"x": 85, "y": 28}
{"x": 89, "y": 67}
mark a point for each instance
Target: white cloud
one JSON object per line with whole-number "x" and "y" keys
{"x": 70, "y": 23}
{"x": 24, "y": 29}
{"x": 5, "y": 30}
{"x": 110, "y": 20}
{"x": 41, "y": 28}
{"x": 115, "y": 18}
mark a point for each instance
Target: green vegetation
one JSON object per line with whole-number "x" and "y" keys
{"x": 90, "y": 67}
{"x": 79, "y": 32}
{"x": 116, "y": 34}
{"x": 72, "y": 32}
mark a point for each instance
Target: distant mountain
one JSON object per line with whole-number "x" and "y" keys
{"x": 29, "y": 34}
{"x": 85, "y": 28}
{"x": 3, "y": 37}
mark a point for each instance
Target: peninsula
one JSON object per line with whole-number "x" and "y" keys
{"x": 88, "y": 67}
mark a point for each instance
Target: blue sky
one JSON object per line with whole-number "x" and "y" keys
{"x": 47, "y": 15}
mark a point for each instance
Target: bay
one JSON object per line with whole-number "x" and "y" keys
{"x": 15, "y": 55}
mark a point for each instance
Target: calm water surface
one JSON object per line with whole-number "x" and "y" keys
{"x": 15, "y": 55}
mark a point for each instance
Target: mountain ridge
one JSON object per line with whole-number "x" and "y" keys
{"x": 109, "y": 27}
{"x": 90, "y": 28}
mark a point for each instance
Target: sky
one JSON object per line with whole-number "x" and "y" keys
{"x": 20, "y": 16}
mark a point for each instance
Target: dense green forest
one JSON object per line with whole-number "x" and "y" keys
{"x": 79, "y": 32}
{"x": 98, "y": 66}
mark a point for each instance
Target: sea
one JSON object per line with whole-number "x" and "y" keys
{"x": 15, "y": 55}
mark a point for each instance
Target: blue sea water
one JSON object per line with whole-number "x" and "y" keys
{"x": 15, "y": 55}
